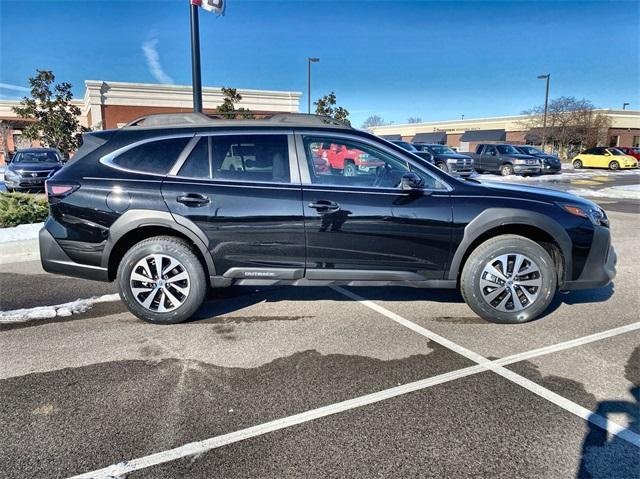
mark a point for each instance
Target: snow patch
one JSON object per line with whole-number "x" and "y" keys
{"x": 626, "y": 192}
{"x": 60, "y": 310}
{"x": 558, "y": 177}
{"x": 20, "y": 232}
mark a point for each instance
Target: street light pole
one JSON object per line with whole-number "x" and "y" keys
{"x": 625, "y": 105}
{"x": 546, "y": 106}
{"x": 310, "y": 60}
{"x": 195, "y": 59}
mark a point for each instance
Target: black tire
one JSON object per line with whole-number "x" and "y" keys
{"x": 506, "y": 169}
{"x": 491, "y": 250}
{"x": 614, "y": 165}
{"x": 349, "y": 169}
{"x": 443, "y": 166}
{"x": 10, "y": 190}
{"x": 577, "y": 164}
{"x": 171, "y": 248}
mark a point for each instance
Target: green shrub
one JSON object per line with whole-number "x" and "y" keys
{"x": 22, "y": 208}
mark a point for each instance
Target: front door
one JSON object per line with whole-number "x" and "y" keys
{"x": 364, "y": 223}
{"x": 241, "y": 191}
{"x": 489, "y": 158}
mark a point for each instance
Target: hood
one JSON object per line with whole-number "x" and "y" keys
{"x": 453, "y": 156}
{"x": 34, "y": 166}
{"x": 536, "y": 193}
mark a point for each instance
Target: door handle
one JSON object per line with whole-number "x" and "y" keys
{"x": 324, "y": 205}
{"x": 193, "y": 199}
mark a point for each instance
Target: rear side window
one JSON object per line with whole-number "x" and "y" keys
{"x": 152, "y": 157}
{"x": 255, "y": 158}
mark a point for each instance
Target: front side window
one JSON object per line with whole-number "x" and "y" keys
{"x": 255, "y": 158}
{"x": 615, "y": 152}
{"x": 153, "y": 157}
{"x": 344, "y": 162}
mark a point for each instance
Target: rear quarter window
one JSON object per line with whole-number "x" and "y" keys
{"x": 153, "y": 157}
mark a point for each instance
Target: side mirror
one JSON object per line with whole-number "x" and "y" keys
{"x": 606, "y": 153}
{"x": 411, "y": 182}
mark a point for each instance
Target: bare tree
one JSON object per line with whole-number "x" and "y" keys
{"x": 373, "y": 120}
{"x": 571, "y": 124}
{"x": 5, "y": 131}
{"x": 414, "y": 119}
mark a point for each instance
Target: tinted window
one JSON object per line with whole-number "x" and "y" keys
{"x": 507, "y": 150}
{"x": 153, "y": 157}
{"x": 490, "y": 150}
{"x": 251, "y": 158}
{"x": 197, "y": 163}
{"x": 340, "y": 162}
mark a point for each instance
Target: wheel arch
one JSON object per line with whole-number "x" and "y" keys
{"x": 529, "y": 224}
{"x": 137, "y": 225}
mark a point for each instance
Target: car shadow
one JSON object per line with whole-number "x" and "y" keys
{"x": 235, "y": 298}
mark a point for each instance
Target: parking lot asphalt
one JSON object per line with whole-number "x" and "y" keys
{"x": 323, "y": 382}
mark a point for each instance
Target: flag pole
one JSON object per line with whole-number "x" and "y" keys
{"x": 195, "y": 59}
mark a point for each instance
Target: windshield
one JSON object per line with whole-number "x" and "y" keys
{"x": 507, "y": 150}
{"x": 615, "y": 152}
{"x": 530, "y": 150}
{"x": 442, "y": 150}
{"x": 36, "y": 157}
{"x": 405, "y": 145}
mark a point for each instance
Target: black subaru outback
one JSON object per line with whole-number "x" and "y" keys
{"x": 171, "y": 205}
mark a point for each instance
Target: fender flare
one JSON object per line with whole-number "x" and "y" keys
{"x": 133, "y": 219}
{"x": 496, "y": 217}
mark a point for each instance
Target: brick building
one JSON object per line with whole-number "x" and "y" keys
{"x": 466, "y": 134}
{"x": 108, "y": 104}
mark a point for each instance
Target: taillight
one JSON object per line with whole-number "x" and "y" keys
{"x": 60, "y": 190}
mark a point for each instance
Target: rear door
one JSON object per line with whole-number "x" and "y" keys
{"x": 364, "y": 226}
{"x": 242, "y": 192}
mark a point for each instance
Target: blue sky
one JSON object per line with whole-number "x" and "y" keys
{"x": 434, "y": 60}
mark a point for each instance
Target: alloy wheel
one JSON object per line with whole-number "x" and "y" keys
{"x": 510, "y": 282}
{"x": 160, "y": 283}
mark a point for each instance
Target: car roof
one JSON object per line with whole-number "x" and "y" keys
{"x": 243, "y": 118}
{"x": 32, "y": 150}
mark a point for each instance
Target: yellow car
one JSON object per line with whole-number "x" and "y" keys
{"x": 601, "y": 157}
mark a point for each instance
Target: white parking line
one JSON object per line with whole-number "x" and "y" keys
{"x": 199, "y": 447}
{"x": 564, "y": 403}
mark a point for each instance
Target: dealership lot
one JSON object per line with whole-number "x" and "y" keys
{"x": 326, "y": 382}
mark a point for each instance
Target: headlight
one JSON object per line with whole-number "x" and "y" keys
{"x": 596, "y": 215}
{"x": 452, "y": 160}
{"x": 11, "y": 175}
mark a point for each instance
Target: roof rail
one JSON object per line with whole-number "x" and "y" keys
{"x": 240, "y": 116}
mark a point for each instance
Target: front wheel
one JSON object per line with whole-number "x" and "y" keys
{"x": 443, "y": 167}
{"x": 614, "y": 165}
{"x": 508, "y": 279}
{"x": 161, "y": 280}
{"x": 577, "y": 164}
{"x": 350, "y": 170}
{"x": 506, "y": 170}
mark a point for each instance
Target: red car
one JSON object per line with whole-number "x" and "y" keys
{"x": 350, "y": 161}
{"x": 635, "y": 152}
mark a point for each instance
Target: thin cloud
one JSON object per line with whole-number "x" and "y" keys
{"x": 9, "y": 86}
{"x": 153, "y": 61}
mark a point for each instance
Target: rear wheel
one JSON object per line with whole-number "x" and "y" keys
{"x": 506, "y": 170}
{"x": 161, "y": 280}
{"x": 350, "y": 170}
{"x": 614, "y": 165}
{"x": 577, "y": 164}
{"x": 508, "y": 279}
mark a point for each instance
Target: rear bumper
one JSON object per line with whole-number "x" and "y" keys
{"x": 600, "y": 267}
{"x": 55, "y": 260}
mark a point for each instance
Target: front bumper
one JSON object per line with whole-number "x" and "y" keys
{"x": 526, "y": 169}
{"x": 600, "y": 266}
{"x": 55, "y": 260}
